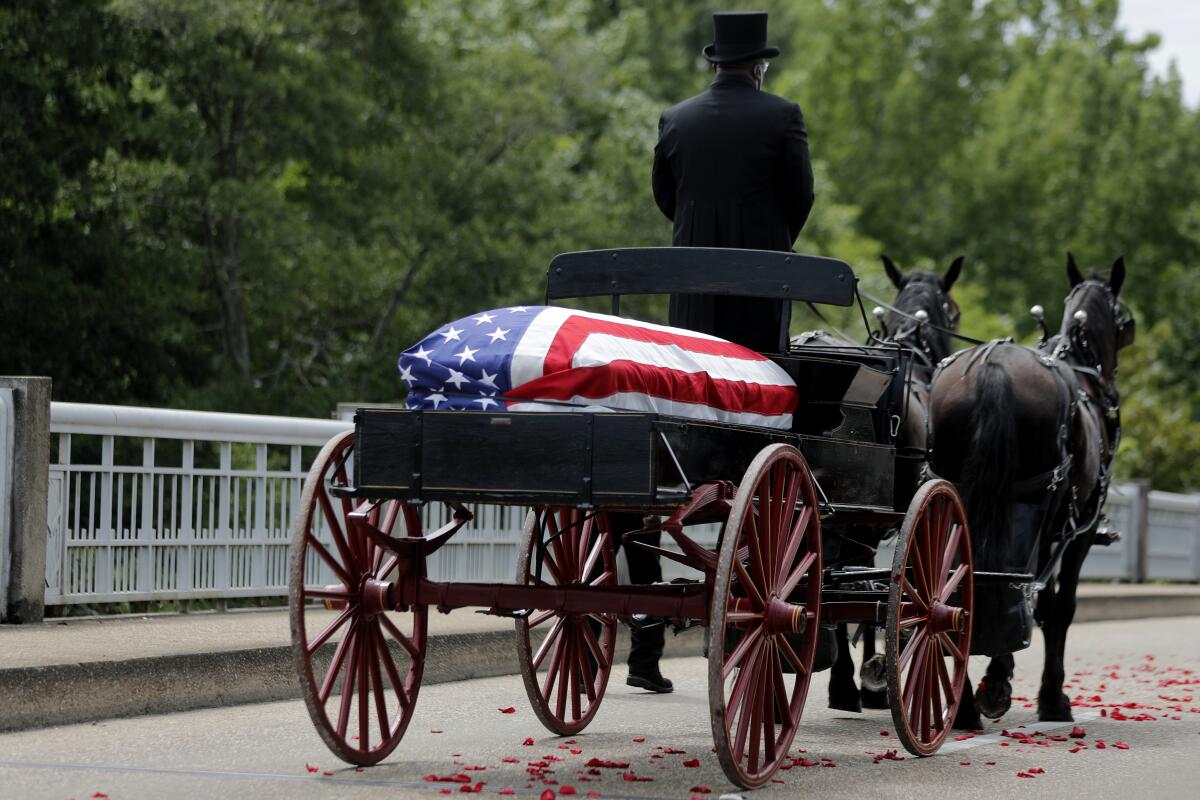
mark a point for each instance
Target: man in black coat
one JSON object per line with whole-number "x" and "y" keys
{"x": 731, "y": 169}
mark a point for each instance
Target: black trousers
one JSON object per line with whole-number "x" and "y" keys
{"x": 645, "y": 644}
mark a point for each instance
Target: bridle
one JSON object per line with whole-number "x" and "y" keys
{"x": 915, "y": 333}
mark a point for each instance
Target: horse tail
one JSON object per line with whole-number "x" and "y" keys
{"x": 989, "y": 466}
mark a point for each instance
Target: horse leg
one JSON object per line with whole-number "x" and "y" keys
{"x": 872, "y": 673}
{"x": 967, "y": 718}
{"x": 1053, "y": 703}
{"x": 843, "y": 693}
{"x": 994, "y": 694}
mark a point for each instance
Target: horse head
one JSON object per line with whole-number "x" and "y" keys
{"x": 1096, "y": 324}
{"x": 925, "y": 293}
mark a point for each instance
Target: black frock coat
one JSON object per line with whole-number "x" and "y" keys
{"x": 731, "y": 169}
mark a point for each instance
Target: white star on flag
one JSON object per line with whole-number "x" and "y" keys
{"x": 457, "y": 378}
{"x": 423, "y": 353}
{"x": 484, "y": 318}
{"x": 452, "y": 335}
{"x": 489, "y": 380}
{"x": 485, "y": 402}
{"x": 465, "y": 355}
{"x": 499, "y": 333}
{"x": 518, "y": 309}
{"x": 436, "y": 398}
{"x": 406, "y": 375}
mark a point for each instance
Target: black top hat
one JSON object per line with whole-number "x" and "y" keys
{"x": 739, "y": 36}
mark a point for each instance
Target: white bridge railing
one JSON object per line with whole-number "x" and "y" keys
{"x": 152, "y": 504}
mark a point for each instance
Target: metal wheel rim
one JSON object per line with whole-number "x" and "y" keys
{"x": 374, "y": 679}
{"x": 924, "y": 700}
{"x": 732, "y": 745}
{"x": 568, "y": 659}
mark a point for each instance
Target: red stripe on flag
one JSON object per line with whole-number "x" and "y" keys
{"x": 577, "y": 328}
{"x": 669, "y": 384}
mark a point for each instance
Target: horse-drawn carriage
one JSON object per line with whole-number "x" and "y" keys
{"x": 360, "y": 596}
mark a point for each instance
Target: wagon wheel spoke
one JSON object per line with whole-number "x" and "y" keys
{"x": 404, "y": 641}
{"x": 328, "y": 558}
{"x": 914, "y": 641}
{"x": 589, "y": 636}
{"x": 748, "y": 641}
{"x": 389, "y": 667}
{"x": 785, "y": 647}
{"x": 747, "y": 583}
{"x": 745, "y": 701}
{"x": 593, "y": 556}
{"x": 950, "y": 648}
{"x": 335, "y": 666}
{"x": 551, "y": 641}
{"x": 754, "y": 540}
{"x": 799, "y": 572}
{"x": 377, "y": 685}
{"x": 952, "y": 584}
{"x": 330, "y": 629}
{"x": 913, "y": 594}
{"x": 336, "y": 532}
{"x": 364, "y": 671}
{"x": 795, "y": 538}
{"x": 348, "y": 682}
{"x": 541, "y": 617}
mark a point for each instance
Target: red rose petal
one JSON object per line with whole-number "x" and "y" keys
{"x": 506, "y": 791}
{"x": 885, "y": 732}
{"x": 511, "y": 760}
{"x": 1078, "y": 732}
{"x": 547, "y": 795}
{"x": 964, "y": 763}
{"x": 639, "y": 739}
{"x": 566, "y": 789}
{"x": 575, "y": 751}
{"x": 593, "y": 793}
{"x": 1024, "y": 775}
{"x": 528, "y": 741}
{"x": 327, "y": 773}
{"x": 509, "y": 710}
{"x": 990, "y": 763}
{"x": 1120, "y": 745}
{"x": 444, "y": 791}
{"x": 671, "y": 751}
{"x": 100, "y": 795}
{"x": 1036, "y": 770}
{"x": 307, "y": 766}
{"x": 434, "y": 730}
{"x": 692, "y": 762}
{"x": 596, "y": 762}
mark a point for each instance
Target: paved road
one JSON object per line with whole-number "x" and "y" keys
{"x": 261, "y": 751}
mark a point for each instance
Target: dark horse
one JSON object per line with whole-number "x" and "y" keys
{"x": 1029, "y": 435}
{"x": 921, "y": 315}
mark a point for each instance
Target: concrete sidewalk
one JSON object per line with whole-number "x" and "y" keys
{"x": 80, "y": 670}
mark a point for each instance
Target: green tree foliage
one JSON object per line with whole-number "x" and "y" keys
{"x": 255, "y": 204}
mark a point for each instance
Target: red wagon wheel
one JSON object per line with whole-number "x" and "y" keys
{"x": 929, "y": 618}
{"x": 764, "y": 615}
{"x": 567, "y": 672}
{"x": 360, "y": 661}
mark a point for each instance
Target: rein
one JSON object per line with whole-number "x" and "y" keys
{"x": 940, "y": 328}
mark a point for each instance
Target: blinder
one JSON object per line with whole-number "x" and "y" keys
{"x": 1126, "y": 326}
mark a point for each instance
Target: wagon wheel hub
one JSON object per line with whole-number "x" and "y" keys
{"x": 784, "y": 617}
{"x": 376, "y": 596}
{"x": 944, "y": 618}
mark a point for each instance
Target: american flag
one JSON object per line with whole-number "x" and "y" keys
{"x": 542, "y": 358}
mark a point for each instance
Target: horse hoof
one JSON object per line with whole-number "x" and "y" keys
{"x": 872, "y": 699}
{"x": 873, "y": 674}
{"x": 967, "y": 720}
{"x": 845, "y": 701}
{"x": 993, "y": 699}
{"x": 1055, "y": 711}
